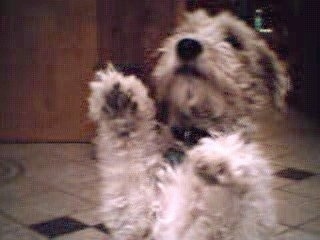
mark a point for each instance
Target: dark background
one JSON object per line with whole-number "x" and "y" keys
{"x": 48, "y": 50}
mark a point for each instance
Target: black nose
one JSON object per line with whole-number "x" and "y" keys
{"x": 188, "y": 49}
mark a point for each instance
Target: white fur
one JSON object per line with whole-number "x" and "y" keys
{"x": 144, "y": 198}
{"x": 233, "y": 86}
{"x": 221, "y": 191}
{"x": 126, "y": 167}
{"x": 235, "y": 206}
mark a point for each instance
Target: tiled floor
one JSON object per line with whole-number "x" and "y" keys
{"x": 53, "y": 191}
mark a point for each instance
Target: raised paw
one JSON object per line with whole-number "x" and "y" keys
{"x": 115, "y": 96}
{"x": 119, "y": 102}
{"x": 223, "y": 172}
{"x": 217, "y": 172}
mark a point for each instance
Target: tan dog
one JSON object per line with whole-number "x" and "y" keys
{"x": 216, "y": 73}
{"x": 220, "y": 191}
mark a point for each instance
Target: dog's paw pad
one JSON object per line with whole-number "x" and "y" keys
{"x": 213, "y": 172}
{"x": 116, "y": 86}
{"x": 118, "y": 101}
{"x": 134, "y": 107}
{"x": 202, "y": 166}
{"x": 222, "y": 172}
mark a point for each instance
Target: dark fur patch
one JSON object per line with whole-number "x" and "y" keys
{"x": 269, "y": 73}
{"x": 189, "y": 70}
{"x": 234, "y": 41}
{"x": 162, "y": 112}
{"x": 189, "y": 135}
{"x": 116, "y": 99}
{"x": 174, "y": 156}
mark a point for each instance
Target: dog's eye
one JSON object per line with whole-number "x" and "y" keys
{"x": 234, "y": 41}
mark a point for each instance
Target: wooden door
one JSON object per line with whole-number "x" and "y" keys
{"x": 47, "y": 51}
{"x": 130, "y": 31}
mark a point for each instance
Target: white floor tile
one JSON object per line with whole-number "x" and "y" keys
{"x": 22, "y": 234}
{"x": 43, "y": 207}
{"x": 296, "y": 235}
{"x": 293, "y": 210}
{"x": 312, "y": 226}
{"x": 87, "y": 234}
{"x": 309, "y": 187}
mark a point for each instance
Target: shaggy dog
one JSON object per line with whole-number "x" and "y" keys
{"x": 217, "y": 74}
{"x": 220, "y": 191}
{"x": 129, "y": 149}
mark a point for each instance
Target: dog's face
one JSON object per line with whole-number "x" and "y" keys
{"x": 217, "y": 69}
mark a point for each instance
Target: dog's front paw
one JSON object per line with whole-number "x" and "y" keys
{"x": 119, "y": 102}
{"x": 214, "y": 172}
{"x": 115, "y": 96}
{"x": 224, "y": 173}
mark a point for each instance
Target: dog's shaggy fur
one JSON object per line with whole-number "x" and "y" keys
{"x": 232, "y": 78}
{"x": 128, "y": 150}
{"x": 220, "y": 191}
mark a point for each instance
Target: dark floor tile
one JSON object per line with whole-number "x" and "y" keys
{"x": 294, "y": 174}
{"x": 102, "y": 228}
{"x": 57, "y": 227}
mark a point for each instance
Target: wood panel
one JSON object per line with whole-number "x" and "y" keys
{"x": 130, "y": 31}
{"x": 47, "y": 50}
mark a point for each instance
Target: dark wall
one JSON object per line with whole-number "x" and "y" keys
{"x": 310, "y": 89}
{"x": 47, "y": 50}
{"x": 130, "y": 31}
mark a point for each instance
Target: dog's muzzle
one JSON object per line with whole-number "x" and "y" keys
{"x": 188, "y": 49}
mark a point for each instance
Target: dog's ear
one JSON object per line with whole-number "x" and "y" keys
{"x": 274, "y": 74}
{"x": 262, "y": 60}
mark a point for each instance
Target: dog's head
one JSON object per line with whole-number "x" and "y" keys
{"x": 217, "y": 68}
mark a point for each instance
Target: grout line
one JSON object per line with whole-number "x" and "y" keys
{"x": 288, "y": 229}
{"x": 296, "y": 194}
{"x": 13, "y": 219}
{"x": 308, "y": 221}
{"x": 86, "y": 200}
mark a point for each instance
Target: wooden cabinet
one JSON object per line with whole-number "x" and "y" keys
{"x": 131, "y": 31}
{"x": 47, "y": 51}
